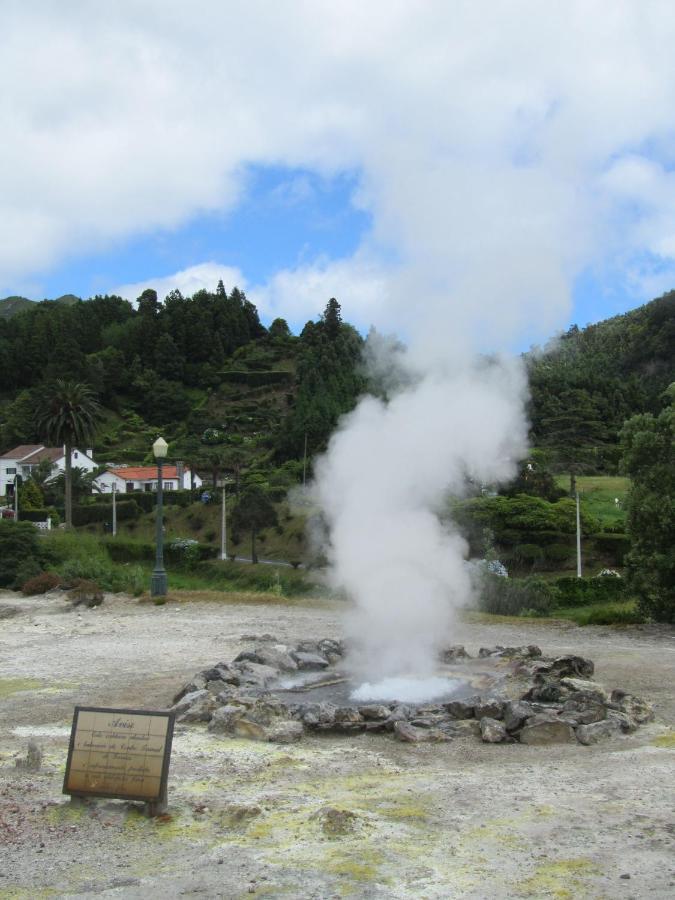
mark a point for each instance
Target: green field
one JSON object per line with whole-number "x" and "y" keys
{"x": 598, "y": 494}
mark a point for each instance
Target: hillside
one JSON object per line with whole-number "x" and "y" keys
{"x": 593, "y": 379}
{"x": 231, "y": 394}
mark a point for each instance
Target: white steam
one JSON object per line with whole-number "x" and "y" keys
{"x": 387, "y": 471}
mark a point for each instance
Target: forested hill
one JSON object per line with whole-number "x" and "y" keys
{"x": 219, "y": 385}
{"x": 593, "y": 379}
{"x": 201, "y": 369}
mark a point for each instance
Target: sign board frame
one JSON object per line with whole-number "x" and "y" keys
{"x": 156, "y": 800}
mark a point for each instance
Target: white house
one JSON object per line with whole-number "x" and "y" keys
{"x": 23, "y": 459}
{"x": 126, "y": 479}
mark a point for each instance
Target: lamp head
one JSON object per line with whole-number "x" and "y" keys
{"x": 159, "y": 448}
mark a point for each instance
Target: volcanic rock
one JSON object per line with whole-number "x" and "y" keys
{"x": 461, "y": 709}
{"x": 567, "y": 666}
{"x": 374, "y": 712}
{"x": 587, "y": 687}
{"x": 452, "y": 654}
{"x": 197, "y": 706}
{"x": 253, "y": 731}
{"x": 224, "y": 717}
{"x": 597, "y": 731}
{"x": 546, "y": 690}
{"x": 490, "y": 651}
{"x": 546, "y": 728}
{"x": 490, "y": 707}
{"x": 309, "y": 661}
{"x": 581, "y": 709}
{"x": 517, "y": 711}
{"x": 256, "y": 674}
{"x": 319, "y": 714}
{"x": 285, "y": 731}
{"x": 492, "y": 731}
{"x": 407, "y": 733}
{"x": 198, "y": 683}
{"x": 638, "y": 710}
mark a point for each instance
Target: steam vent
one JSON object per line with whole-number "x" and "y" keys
{"x": 273, "y": 692}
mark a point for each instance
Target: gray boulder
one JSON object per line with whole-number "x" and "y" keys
{"x": 638, "y": 710}
{"x": 597, "y": 731}
{"x": 461, "y": 709}
{"x": 198, "y": 683}
{"x": 492, "y": 731}
{"x": 581, "y": 709}
{"x": 285, "y": 731}
{"x": 452, "y": 654}
{"x": 545, "y": 728}
{"x": 490, "y": 707}
{"x": 585, "y": 686}
{"x": 517, "y": 711}
{"x": 319, "y": 715}
{"x": 307, "y": 661}
{"x": 374, "y": 712}
{"x": 224, "y": 717}
{"x": 197, "y": 706}
{"x": 407, "y": 733}
{"x": 567, "y": 667}
{"x": 277, "y": 657}
{"x": 256, "y": 674}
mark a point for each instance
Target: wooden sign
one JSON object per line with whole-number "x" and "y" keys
{"x": 122, "y": 753}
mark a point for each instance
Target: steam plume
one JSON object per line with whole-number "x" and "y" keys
{"x": 381, "y": 483}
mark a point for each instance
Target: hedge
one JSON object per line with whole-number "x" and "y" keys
{"x": 123, "y": 550}
{"x": 611, "y": 545}
{"x": 99, "y": 512}
{"x": 585, "y": 591}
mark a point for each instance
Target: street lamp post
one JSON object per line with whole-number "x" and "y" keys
{"x": 158, "y": 582}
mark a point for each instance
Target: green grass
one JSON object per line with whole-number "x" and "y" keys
{"x": 619, "y": 613}
{"x": 598, "y": 493}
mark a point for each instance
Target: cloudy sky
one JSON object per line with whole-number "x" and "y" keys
{"x": 508, "y": 165}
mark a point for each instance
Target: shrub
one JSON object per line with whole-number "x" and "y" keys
{"x": 99, "y": 512}
{"x": 585, "y": 591}
{"x": 40, "y": 584}
{"x": 87, "y": 593}
{"x": 19, "y": 544}
{"x": 511, "y": 596}
{"x": 29, "y": 568}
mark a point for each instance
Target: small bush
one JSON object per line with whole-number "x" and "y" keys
{"x": 586, "y": 591}
{"x": 21, "y": 552}
{"x": 86, "y": 593}
{"x": 40, "y": 584}
{"x": 511, "y": 596}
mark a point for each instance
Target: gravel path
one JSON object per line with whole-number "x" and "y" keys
{"x": 461, "y": 819}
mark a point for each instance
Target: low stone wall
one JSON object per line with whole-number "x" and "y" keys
{"x": 540, "y": 700}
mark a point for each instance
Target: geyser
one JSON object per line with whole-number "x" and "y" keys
{"x": 388, "y": 470}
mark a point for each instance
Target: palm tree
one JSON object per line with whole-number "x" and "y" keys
{"x": 67, "y": 414}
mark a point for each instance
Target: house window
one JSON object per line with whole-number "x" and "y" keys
{"x": 130, "y": 486}
{"x": 11, "y": 471}
{"x": 168, "y": 485}
{"x": 75, "y": 454}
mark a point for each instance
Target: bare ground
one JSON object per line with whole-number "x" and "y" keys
{"x": 461, "y": 819}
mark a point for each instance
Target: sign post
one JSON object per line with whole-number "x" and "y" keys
{"x": 121, "y": 753}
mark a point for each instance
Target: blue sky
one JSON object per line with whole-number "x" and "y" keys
{"x": 460, "y": 174}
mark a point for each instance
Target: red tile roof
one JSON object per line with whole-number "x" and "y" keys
{"x": 144, "y": 473}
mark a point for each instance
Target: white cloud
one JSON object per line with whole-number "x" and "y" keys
{"x": 490, "y": 138}
{"x": 204, "y": 276}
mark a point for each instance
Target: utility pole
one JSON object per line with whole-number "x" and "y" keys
{"x": 223, "y": 526}
{"x": 114, "y": 509}
{"x": 17, "y": 479}
{"x": 578, "y": 538}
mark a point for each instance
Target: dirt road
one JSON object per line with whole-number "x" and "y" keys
{"x": 461, "y": 819}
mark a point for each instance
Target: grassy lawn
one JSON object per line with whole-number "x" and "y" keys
{"x": 598, "y": 494}
{"x": 619, "y": 613}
